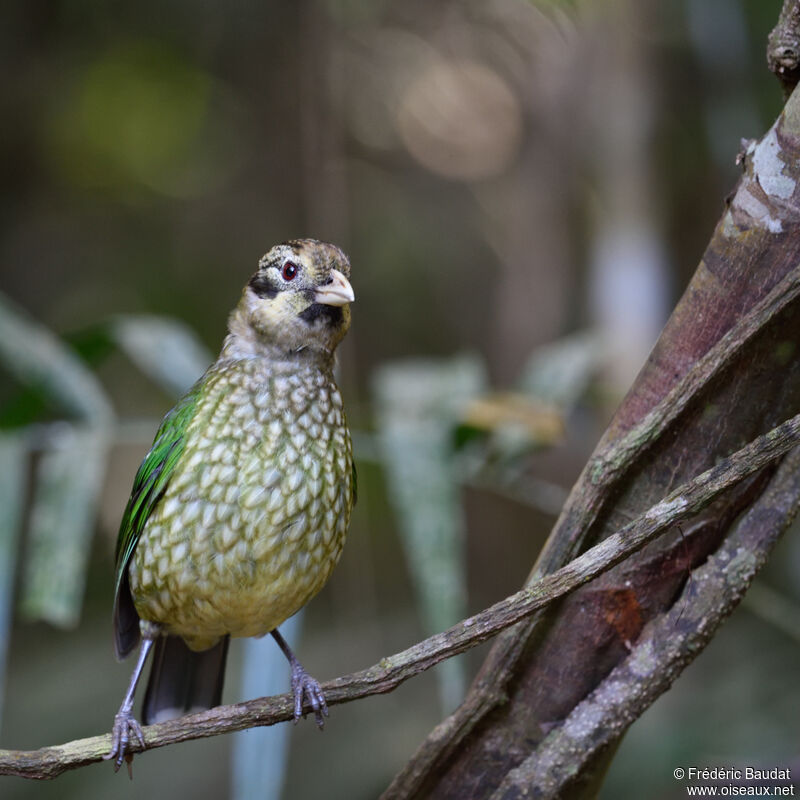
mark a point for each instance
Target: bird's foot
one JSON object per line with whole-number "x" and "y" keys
{"x": 126, "y": 732}
{"x": 304, "y": 685}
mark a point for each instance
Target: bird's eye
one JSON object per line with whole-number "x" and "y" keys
{"x": 289, "y": 271}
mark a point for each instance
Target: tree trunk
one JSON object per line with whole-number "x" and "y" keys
{"x": 538, "y": 672}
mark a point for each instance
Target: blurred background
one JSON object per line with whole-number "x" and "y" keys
{"x": 524, "y": 189}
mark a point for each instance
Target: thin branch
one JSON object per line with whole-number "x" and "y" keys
{"x": 668, "y": 644}
{"x": 390, "y": 672}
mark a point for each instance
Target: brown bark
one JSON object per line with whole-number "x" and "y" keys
{"x": 665, "y": 647}
{"x": 783, "y": 48}
{"x": 538, "y": 672}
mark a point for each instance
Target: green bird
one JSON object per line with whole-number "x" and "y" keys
{"x": 239, "y": 512}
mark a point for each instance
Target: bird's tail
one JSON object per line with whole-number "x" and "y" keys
{"x": 183, "y": 681}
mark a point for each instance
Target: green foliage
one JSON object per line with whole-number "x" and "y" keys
{"x": 69, "y": 478}
{"x": 56, "y": 386}
{"x": 69, "y": 470}
{"x": 14, "y": 472}
{"x": 417, "y": 408}
{"x": 140, "y": 115}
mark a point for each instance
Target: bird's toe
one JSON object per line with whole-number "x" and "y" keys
{"x": 126, "y": 735}
{"x": 306, "y": 687}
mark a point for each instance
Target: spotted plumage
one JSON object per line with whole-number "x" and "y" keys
{"x": 239, "y": 512}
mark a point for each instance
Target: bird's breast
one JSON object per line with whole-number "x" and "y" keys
{"x": 255, "y": 516}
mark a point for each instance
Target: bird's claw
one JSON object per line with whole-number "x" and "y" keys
{"x": 304, "y": 685}
{"x": 126, "y": 732}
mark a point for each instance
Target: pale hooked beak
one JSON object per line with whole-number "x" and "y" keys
{"x": 338, "y": 292}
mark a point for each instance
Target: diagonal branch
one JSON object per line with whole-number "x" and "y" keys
{"x": 614, "y": 455}
{"x": 390, "y": 672}
{"x": 667, "y": 645}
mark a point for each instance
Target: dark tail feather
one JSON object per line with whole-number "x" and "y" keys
{"x": 183, "y": 681}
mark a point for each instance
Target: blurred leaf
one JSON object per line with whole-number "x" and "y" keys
{"x": 70, "y": 471}
{"x": 14, "y": 471}
{"x": 165, "y": 349}
{"x": 71, "y": 468}
{"x": 560, "y": 373}
{"x": 418, "y": 404}
{"x": 68, "y": 482}
{"x": 93, "y": 344}
{"x": 37, "y": 358}
{"x": 528, "y": 421}
{"x": 260, "y": 755}
{"x": 29, "y": 403}
{"x": 515, "y": 424}
{"x": 141, "y": 115}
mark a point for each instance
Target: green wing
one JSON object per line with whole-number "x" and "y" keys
{"x": 151, "y": 480}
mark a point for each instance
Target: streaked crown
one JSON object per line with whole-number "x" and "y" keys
{"x": 297, "y": 300}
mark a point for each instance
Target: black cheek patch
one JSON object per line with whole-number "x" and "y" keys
{"x": 262, "y": 286}
{"x": 331, "y": 315}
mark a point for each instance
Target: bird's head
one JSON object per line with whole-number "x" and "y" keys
{"x": 297, "y": 301}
